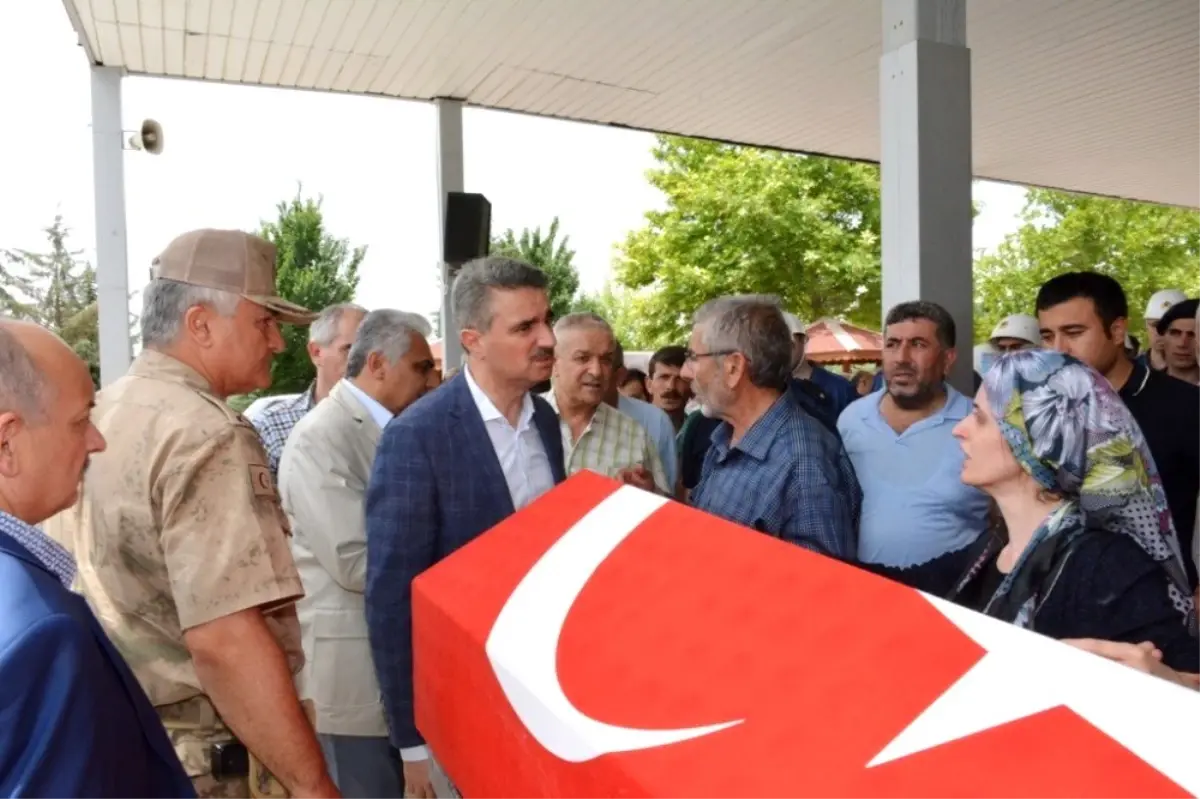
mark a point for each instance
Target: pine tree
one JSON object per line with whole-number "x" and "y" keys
{"x": 56, "y": 289}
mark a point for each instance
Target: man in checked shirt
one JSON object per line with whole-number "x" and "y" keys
{"x": 329, "y": 340}
{"x": 771, "y": 467}
{"x": 595, "y": 435}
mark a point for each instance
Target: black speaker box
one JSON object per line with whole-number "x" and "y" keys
{"x": 468, "y": 227}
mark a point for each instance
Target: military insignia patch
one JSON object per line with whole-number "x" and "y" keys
{"x": 261, "y": 482}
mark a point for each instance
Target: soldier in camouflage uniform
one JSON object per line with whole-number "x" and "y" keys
{"x": 181, "y": 541}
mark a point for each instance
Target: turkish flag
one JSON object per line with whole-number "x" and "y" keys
{"x": 561, "y": 654}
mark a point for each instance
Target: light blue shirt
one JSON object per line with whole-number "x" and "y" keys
{"x": 915, "y": 506}
{"x": 379, "y": 414}
{"x": 661, "y": 431}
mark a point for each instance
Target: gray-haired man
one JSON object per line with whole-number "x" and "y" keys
{"x": 323, "y": 478}
{"x": 595, "y": 435}
{"x": 329, "y": 341}
{"x": 771, "y": 467}
{"x": 180, "y": 537}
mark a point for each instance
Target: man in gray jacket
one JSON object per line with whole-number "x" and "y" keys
{"x": 323, "y": 478}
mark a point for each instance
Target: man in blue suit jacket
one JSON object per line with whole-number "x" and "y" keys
{"x": 456, "y": 463}
{"x": 73, "y": 719}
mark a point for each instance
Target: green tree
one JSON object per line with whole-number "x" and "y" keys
{"x": 315, "y": 270}
{"x": 58, "y": 291}
{"x": 553, "y": 257}
{"x": 1143, "y": 246}
{"x": 744, "y": 220}
{"x": 625, "y": 310}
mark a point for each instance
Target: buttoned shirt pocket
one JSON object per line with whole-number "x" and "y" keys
{"x": 344, "y": 687}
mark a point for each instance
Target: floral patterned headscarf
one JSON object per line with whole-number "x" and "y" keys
{"x": 1072, "y": 433}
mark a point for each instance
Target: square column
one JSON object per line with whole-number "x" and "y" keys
{"x": 449, "y": 178}
{"x": 925, "y": 163}
{"x": 108, "y": 176}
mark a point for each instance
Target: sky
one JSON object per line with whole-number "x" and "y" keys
{"x": 232, "y": 153}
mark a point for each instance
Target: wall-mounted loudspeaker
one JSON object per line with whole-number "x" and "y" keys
{"x": 148, "y": 138}
{"x": 468, "y": 231}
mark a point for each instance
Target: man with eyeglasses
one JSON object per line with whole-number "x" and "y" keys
{"x": 772, "y": 467}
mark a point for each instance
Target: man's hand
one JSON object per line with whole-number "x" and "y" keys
{"x": 1139, "y": 656}
{"x": 246, "y": 674}
{"x": 639, "y": 477}
{"x": 417, "y": 782}
{"x": 1143, "y": 657}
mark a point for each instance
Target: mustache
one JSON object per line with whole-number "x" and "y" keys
{"x": 543, "y": 352}
{"x": 671, "y": 394}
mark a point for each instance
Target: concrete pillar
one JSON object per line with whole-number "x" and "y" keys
{"x": 108, "y": 176}
{"x": 925, "y": 162}
{"x": 449, "y": 178}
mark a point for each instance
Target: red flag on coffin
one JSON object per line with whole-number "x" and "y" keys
{"x": 607, "y": 642}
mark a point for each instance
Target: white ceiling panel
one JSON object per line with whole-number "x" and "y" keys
{"x": 1101, "y": 96}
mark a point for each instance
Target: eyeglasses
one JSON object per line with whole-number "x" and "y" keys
{"x": 691, "y": 357}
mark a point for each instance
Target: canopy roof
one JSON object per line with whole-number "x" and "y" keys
{"x": 834, "y": 341}
{"x": 1097, "y": 96}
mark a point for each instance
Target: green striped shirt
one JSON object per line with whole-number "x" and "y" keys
{"x": 611, "y": 442}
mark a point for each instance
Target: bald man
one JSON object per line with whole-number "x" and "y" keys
{"x": 73, "y": 719}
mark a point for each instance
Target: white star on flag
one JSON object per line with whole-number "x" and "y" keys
{"x": 1023, "y": 673}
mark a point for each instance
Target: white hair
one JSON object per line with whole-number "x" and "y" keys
{"x": 388, "y": 332}
{"x": 752, "y": 324}
{"x": 164, "y": 302}
{"x": 581, "y": 319}
{"x": 324, "y": 328}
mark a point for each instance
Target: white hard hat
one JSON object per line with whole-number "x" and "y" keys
{"x": 1161, "y": 302}
{"x": 795, "y": 324}
{"x": 1020, "y": 326}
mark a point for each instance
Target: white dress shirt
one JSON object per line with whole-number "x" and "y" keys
{"x": 379, "y": 414}
{"x": 520, "y": 450}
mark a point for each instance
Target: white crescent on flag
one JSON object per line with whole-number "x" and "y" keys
{"x": 523, "y": 644}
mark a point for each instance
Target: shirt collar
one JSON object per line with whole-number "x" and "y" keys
{"x": 488, "y": 409}
{"x": 52, "y": 555}
{"x": 379, "y": 414}
{"x": 1137, "y": 378}
{"x": 758, "y": 439}
{"x": 600, "y": 416}
{"x": 956, "y": 408}
{"x": 308, "y": 398}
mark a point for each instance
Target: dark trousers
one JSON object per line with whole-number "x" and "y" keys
{"x": 363, "y": 767}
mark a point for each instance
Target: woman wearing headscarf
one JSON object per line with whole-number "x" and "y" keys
{"x": 1088, "y": 550}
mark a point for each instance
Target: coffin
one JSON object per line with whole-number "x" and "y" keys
{"x": 607, "y": 642}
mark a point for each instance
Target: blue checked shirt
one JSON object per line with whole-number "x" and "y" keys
{"x": 49, "y": 552}
{"x": 788, "y": 477}
{"x": 275, "y": 424}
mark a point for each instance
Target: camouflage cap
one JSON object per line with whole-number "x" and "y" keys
{"x": 229, "y": 260}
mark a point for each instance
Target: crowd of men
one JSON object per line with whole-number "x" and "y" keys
{"x": 247, "y": 628}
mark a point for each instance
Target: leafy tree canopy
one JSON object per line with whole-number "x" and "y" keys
{"x": 548, "y": 253}
{"x": 627, "y": 311}
{"x": 744, "y": 220}
{"x": 315, "y": 270}
{"x": 1143, "y": 246}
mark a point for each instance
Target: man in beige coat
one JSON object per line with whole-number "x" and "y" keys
{"x": 323, "y": 478}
